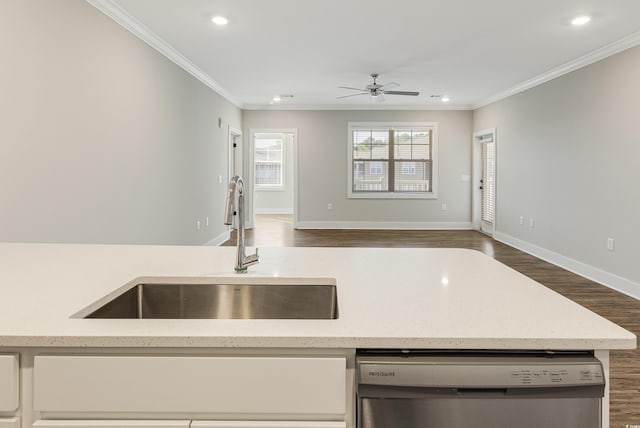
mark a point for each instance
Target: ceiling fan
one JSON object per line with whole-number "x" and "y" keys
{"x": 377, "y": 91}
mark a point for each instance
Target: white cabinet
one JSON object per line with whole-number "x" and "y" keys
{"x": 10, "y": 423}
{"x": 240, "y": 386}
{"x": 180, "y": 424}
{"x": 267, "y": 424}
{"x": 9, "y": 383}
{"x": 111, "y": 424}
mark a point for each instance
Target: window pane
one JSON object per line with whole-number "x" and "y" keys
{"x": 370, "y": 176}
{"x": 268, "y": 161}
{"x": 268, "y": 174}
{"x": 412, "y": 176}
{"x": 380, "y": 151}
{"x": 380, "y": 144}
{"x": 420, "y": 136}
{"x": 420, "y": 152}
{"x": 402, "y": 137}
{"x": 362, "y": 144}
{"x": 402, "y": 151}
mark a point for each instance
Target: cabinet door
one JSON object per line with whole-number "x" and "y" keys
{"x": 10, "y": 423}
{"x": 9, "y": 380}
{"x": 267, "y": 424}
{"x": 110, "y": 424}
{"x": 229, "y": 385}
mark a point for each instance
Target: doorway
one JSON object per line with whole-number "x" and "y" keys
{"x": 484, "y": 181}
{"x": 272, "y": 173}
{"x": 234, "y": 166}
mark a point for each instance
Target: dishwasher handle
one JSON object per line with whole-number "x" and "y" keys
{"x": 410, "y": 392}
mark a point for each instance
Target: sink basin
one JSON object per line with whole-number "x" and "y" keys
{"x": 279, "y": 298}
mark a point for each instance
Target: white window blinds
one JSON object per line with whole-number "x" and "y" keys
{"x": 391, "y": 159}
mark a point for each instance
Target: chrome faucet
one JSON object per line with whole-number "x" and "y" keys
{"x": 242, "y": 260}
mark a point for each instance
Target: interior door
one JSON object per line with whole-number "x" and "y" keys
{"x": 488, "y": 184}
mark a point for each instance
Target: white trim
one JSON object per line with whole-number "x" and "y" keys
{"x": 138, "y": 29}
{"x": 251, "y": 168}
{"x": 381, "y": 106}
{"x": 476, "y": 175}
{"x": 608, "y": 279}
{"x": 288, "y": 211}
{"x": 386, "y": 225}
{"x": 234, "y": 159}
{"x": 219, "y": 240}
{"x": 588, "y": 59}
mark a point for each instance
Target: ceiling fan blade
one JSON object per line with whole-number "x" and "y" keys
{"x": 411, "y": 93}
{"x": 355, "y": 89}
{"x": 389, "y": 85}
{"x": 352, "y": 95}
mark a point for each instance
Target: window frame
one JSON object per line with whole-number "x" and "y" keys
{"x": 270, "y": 187}
{"x": 433, "y": 194}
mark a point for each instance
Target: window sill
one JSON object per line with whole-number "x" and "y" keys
{"x": 391, "y": 195}
{"x": 270, "y": 189}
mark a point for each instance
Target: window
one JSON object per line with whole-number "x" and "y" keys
{"x": 396, "y": 160}
{"x": 268, "y": 163}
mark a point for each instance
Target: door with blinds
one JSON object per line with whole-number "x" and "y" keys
{"x": 488, "y": 183}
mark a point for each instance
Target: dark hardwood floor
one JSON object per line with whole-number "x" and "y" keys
{"x": 277, "y": 230}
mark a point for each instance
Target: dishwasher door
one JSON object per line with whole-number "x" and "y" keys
{"x": 479, "y": 392}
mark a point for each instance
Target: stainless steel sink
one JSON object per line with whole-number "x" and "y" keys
{"x": 222, "y": 300}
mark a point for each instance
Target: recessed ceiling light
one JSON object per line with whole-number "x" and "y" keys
{"x": 219, "y": 20}
{"x": 445, "y": 99}
{"x": 580, "y": 20}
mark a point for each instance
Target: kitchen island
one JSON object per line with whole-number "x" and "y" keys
{"x": 445, "y": 299}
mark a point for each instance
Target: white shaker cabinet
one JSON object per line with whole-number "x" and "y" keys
{"x": 111, "y": 424}
{"x": 9, "y": 383}
{"x": 264, "y": 385}
{"x": 9, "y": 422}
{"x": 267, "y": 424}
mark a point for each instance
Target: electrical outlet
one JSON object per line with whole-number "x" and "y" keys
{"x": 611, "y": 244}
{"x": 521, "y": 220}
{"x": 444, "y": 207}
{"x": 206, "y": 222}
{"x": 532, "y": 223}
{"x": 329, "y": 206}
{"x": 219, "y": 179}
{"x": 198, "y": 225}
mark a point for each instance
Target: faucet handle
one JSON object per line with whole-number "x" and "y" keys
{"x": 252, "y": 259}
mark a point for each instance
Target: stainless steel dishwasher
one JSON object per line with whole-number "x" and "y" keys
{"x": 480, "y": 390}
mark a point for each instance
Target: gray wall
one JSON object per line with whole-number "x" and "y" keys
{"x": 322, "y": 166}
{"x": 102, "y": 139}
{"x": 279, "y": 201}
{"x": 569, "y": 157}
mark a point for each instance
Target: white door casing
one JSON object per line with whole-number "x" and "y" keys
{"x": 484, "y": 183}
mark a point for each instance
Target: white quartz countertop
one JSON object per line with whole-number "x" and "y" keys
{"x": 387, "y": 298}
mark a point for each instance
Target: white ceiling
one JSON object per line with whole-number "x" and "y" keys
{"x": 474, "y": 51}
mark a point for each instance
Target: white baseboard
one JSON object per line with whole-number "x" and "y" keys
{"x": 274, "y": 211}
{"x": 605, "y": 278}
{"x": 218, "y": 240}
{"x": 385, "y": 225}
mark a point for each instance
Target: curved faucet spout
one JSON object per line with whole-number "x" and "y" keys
{"x": 236, "y": 185}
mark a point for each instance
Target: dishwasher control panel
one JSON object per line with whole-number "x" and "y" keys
{"x": 480, "y": 372}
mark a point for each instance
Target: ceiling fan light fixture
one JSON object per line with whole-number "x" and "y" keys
{"x": 445, "y": 99}
{"x": 276, "y": 99}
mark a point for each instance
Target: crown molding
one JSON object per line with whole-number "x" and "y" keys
{"x": 138, "y": 29}
{"x": 588, "y": 59}
{"x": 381, "y": 106}
{"x": 123, "y": 18}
